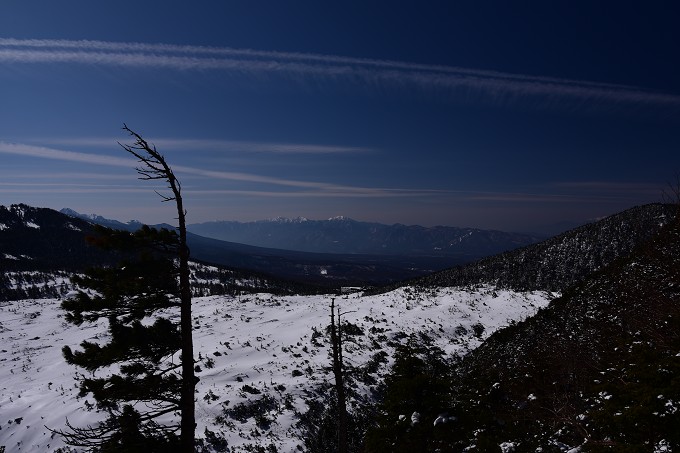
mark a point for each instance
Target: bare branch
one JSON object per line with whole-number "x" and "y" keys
{"x": 671, "y": 193}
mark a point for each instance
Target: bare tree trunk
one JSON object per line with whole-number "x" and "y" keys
{"x": 671, "y": 194}
{"x": 189, "y": 380}
{"x": 336, "y": 345}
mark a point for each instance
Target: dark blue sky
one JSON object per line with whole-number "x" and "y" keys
{"x": 507, "y": 115}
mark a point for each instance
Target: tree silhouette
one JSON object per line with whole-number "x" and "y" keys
{"x": 142, "y": 344}
{"x": 154, "y": 276}
{"x": 154, "y": 167}
{"x": 671, "y": 193}
{"x": 338, "y": 373}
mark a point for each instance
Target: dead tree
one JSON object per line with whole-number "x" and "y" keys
{"x": 336, "y": 348}
{"x": 154, "y": 167}
{"x": 671, "y": 194}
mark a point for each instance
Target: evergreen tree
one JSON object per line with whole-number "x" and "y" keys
{"x": 153, "y": 167}
{"x": 159, "y": 279}
{"x": 142, "y": 343}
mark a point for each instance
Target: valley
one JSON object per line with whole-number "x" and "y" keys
{"x": 541, "y": 348}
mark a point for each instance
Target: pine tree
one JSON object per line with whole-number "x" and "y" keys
{"x": 153, "y": 167}
{"x": 143, "y": 343}
{"x": 158, "y": 279}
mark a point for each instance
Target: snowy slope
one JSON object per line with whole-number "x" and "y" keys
{"x": 259, "y": 350}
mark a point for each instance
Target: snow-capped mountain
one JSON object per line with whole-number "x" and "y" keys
{"x": 325, "y": 269}
{"x": 100, "y": 220}
{"x": 344, "y": 235}
{"x": 43, "y": 239}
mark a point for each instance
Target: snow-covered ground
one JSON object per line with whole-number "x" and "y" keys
{"x": 253, "y": 347}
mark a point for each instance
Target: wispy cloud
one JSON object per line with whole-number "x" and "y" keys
{"x": 496, "y": 84}
{"x": 75, "y": 182}
{"x": 608, "y": 186}
{"x": 341, "y": 193}
{"x": 576, "y": 192}
{"x": 56, "y": 154}
{"x": 217, "y": 145}
{"x": 518, "y": 197}
{"x": 311, "y": 188}
{"x": 70, "y": 190}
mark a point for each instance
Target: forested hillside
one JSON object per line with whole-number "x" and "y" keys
{"x": 40, "y": 249}
{"x": 597, "y": 370}
{"x": 559, "y": 262}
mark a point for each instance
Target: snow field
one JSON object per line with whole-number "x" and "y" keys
{"x": 252, "y": 348}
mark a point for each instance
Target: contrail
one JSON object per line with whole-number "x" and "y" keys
{"x": 494, "y": 83}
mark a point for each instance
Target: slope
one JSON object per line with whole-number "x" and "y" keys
{"x": 43, "y": 239}
{"x": 598, "y": 370}
{"x": 41, "y": 248}
{"x": 559, "y": 262}
{"x": 263, "y": 358}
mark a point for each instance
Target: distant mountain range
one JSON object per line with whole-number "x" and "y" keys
{"x": 39, "y": 239}
{"x": 462, "y": 256}
{"x": 342, "y": 235}
{"x": 338, "y": 250}
{"x": 324, "y": 269}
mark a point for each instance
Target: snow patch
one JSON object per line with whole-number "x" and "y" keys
{"x": 508, "y": 447}
{"x": 663, "y": 447}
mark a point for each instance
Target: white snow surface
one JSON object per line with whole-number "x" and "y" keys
{"x": 255, "y": 340}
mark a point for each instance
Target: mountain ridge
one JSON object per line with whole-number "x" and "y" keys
{"x": 326, "y": 270}
{"x": 40, "y": 249}
{"x": 563, "y": 260}
{"x": 596, "y": 370}
{"x": 343, "y": 235}
{"x": 363, "y": 269}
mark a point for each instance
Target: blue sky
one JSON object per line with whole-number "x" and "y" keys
{"x": 504, "y": 115}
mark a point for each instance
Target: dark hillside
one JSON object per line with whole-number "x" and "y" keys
{"x": 599, "y": 369}
{"x": 41, "y": 248}
{"x": 39, "y": 239}
{"x": 560, "y": 262}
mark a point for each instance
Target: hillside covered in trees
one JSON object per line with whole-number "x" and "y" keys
{"x": 597, "y": 370}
